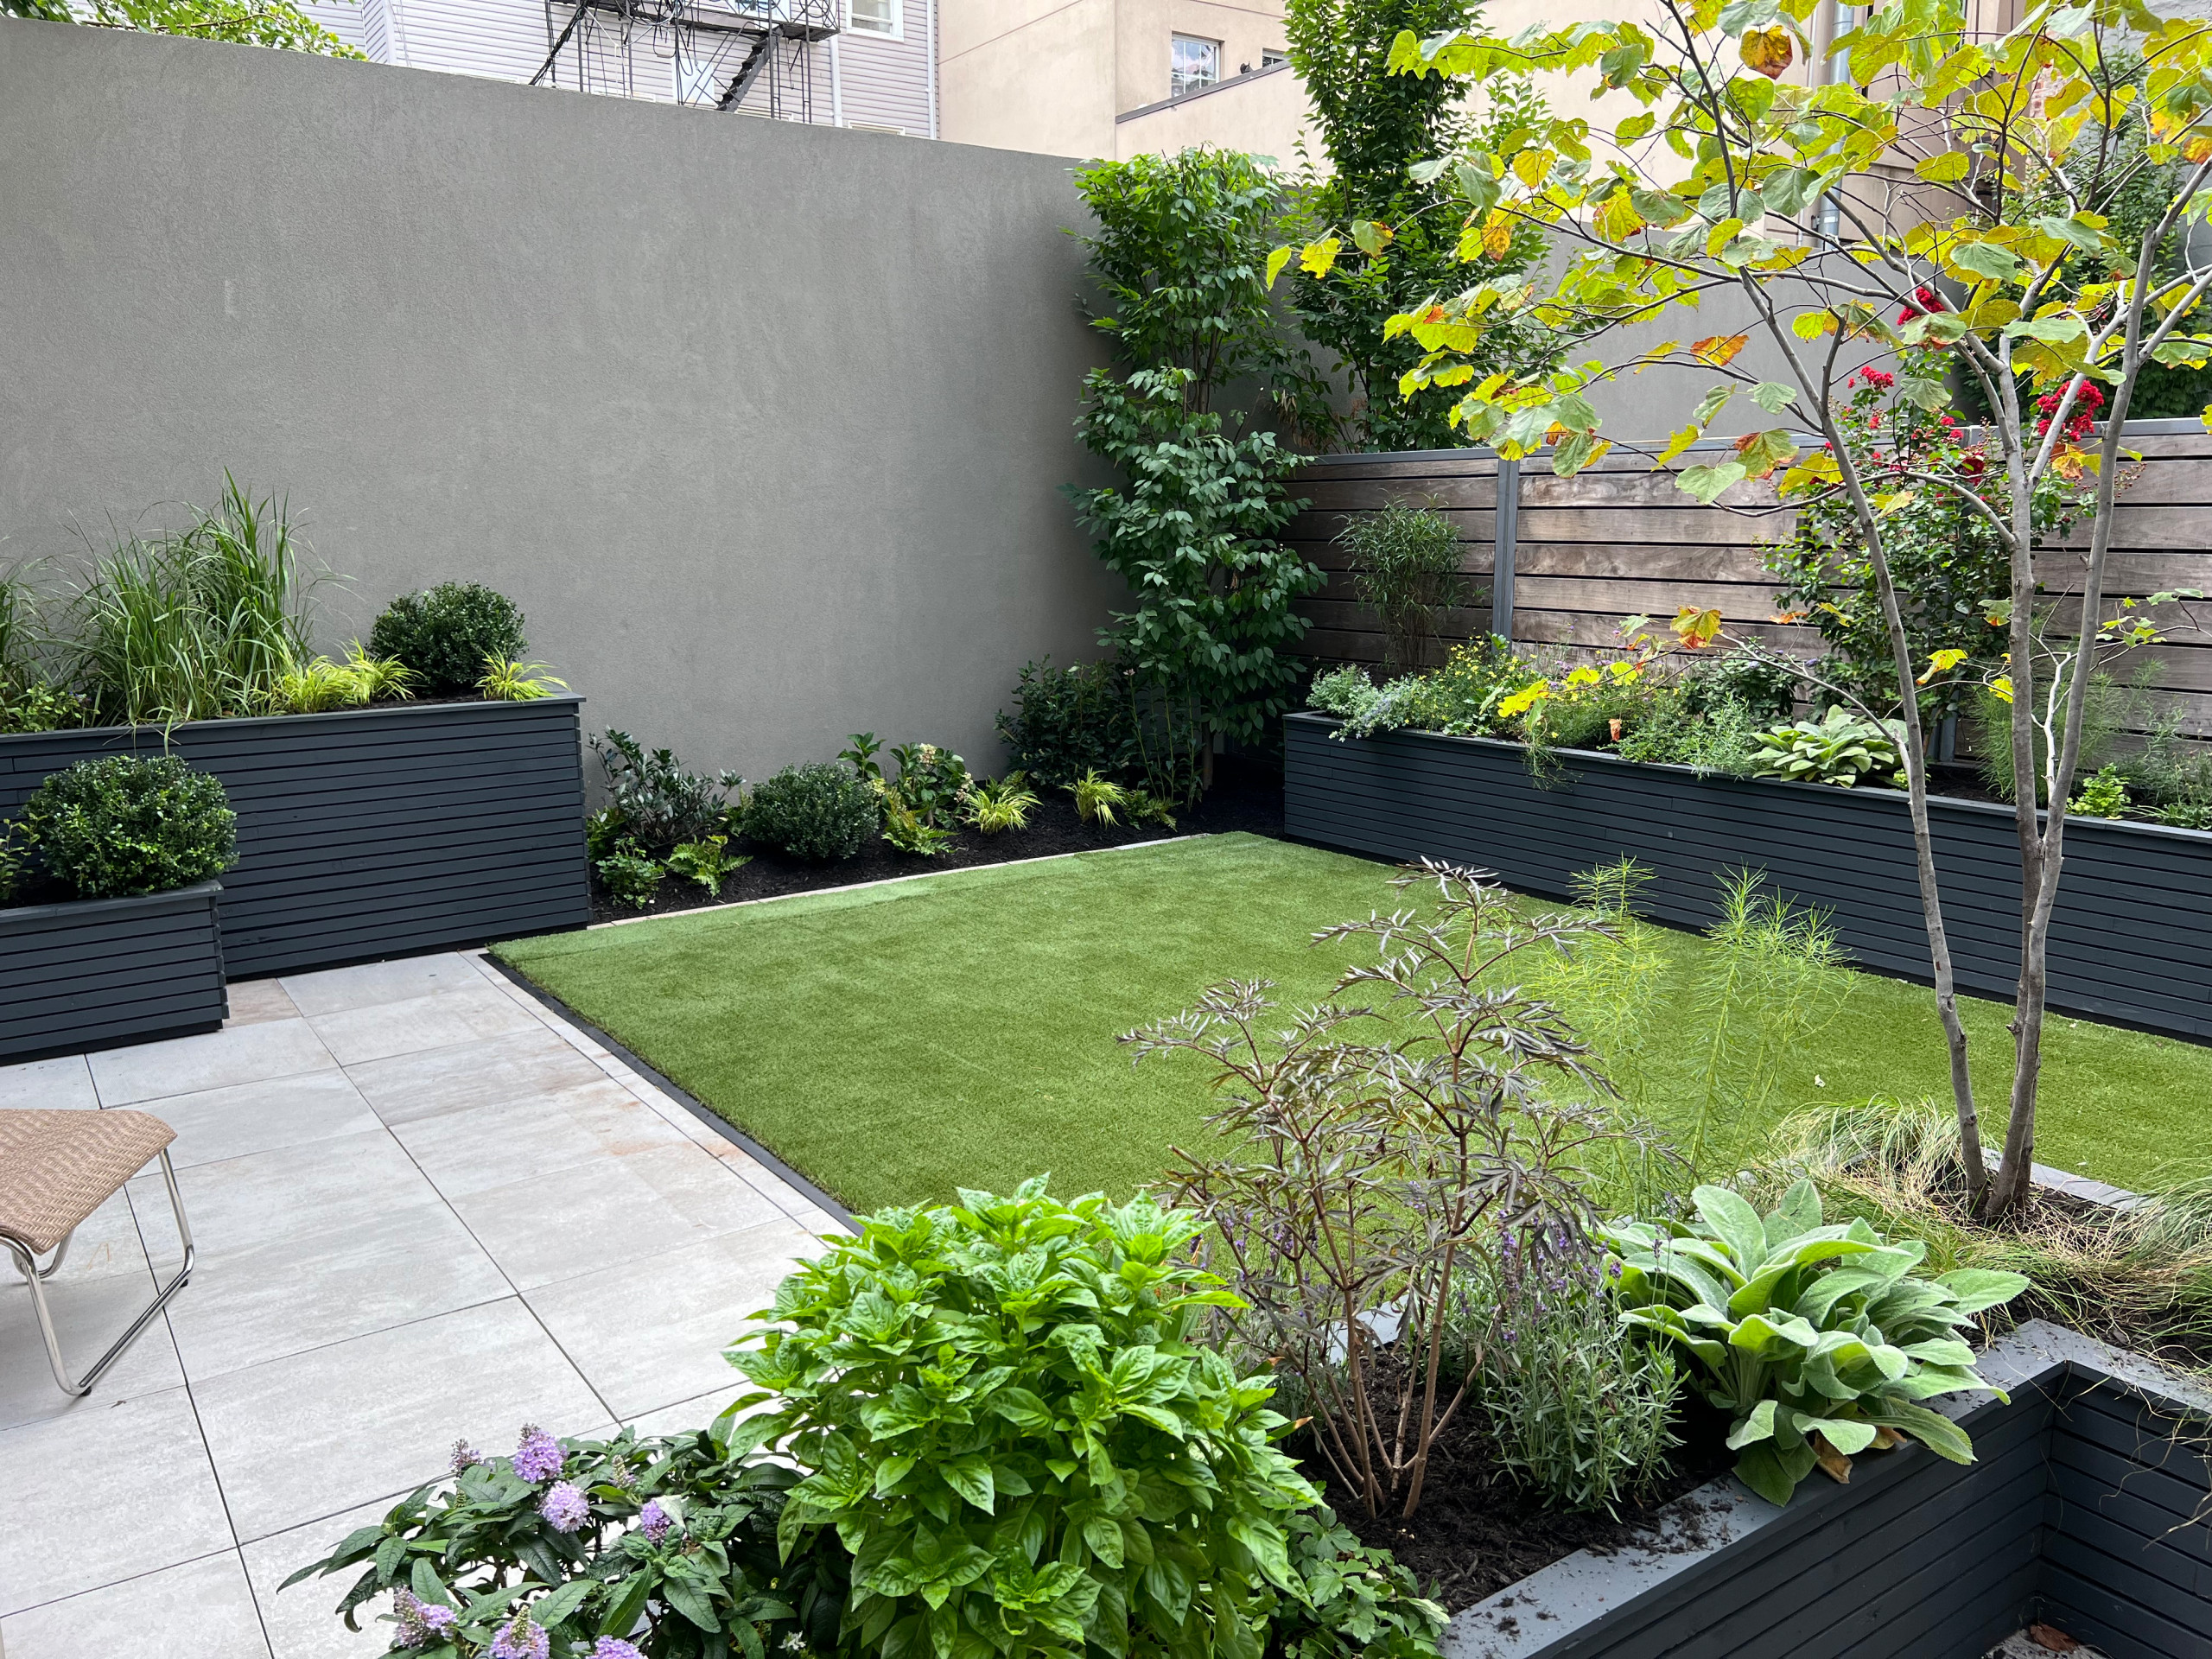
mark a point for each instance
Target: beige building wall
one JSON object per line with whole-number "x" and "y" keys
{"x": 1090, "y": 78}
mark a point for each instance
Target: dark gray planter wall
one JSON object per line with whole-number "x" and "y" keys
{"x": 2132, "y": 939}
{"x": 375, "y": 831}
{"x": 101, "y": 971}
{"x": 2082, "y": 1509}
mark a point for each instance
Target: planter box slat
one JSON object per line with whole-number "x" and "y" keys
{"x": 1917, "y": 1558}
{"x": 377, "y": 831}
{"x": 2081, "y": 1469}
{"x": 2128, "y": 942}
{"x": 2128, "y": 1432}
{"x": 96, "y": 972}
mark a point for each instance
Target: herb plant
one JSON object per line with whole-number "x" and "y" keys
{"x": 1819, "y": 1341}
{"x": 1838, "y": 748}
{"x": 819, "y": 812}
{"x": 641, "y": 1545}
{"x": 450, "y": 634}
{"x": 656, "y": 800}
{"x": 1006, "y": 1413}
{"x": 125, "y": 824}
{"x": 2103, "y": 796}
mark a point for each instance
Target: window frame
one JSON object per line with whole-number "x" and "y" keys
{"x": 1213, "y": 49}
{"x": 896, "y": 32}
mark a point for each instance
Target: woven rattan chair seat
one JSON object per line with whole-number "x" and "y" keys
{"x": 57, "y": 1167}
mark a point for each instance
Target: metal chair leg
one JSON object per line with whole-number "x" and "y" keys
{"x": 34, "y": 1276}
{"x": 60, "y": 1255}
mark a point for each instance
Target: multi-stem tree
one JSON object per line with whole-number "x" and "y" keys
{"x": 1919, "y": 198}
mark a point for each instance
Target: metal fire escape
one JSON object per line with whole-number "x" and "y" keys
{"x": 714, "y": 53}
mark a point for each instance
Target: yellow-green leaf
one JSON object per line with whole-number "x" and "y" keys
{"x": 1317, "y": 258}
{"x": 1276, "y": 261}
{"x": 1947, "y": 169}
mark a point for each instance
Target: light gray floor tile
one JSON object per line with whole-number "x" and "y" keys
{"x": 218, "y": 1059}
{"x": 520, "y": 1067}
{"x": 336, "y": 1428}
{"x": 288, "y": 1294}
{"x": 198, "y": 1610}
{"x": 301, "y": 1621}
{"x": 693, "y": 1414}
{"x": 102, "y": 1287}
{"x": 570, "y": 1222}
{"x": 291, "y": 1194}
{"x": 96, "y": 1497}
{"x": 652, "y": 1332}
{"x": 251, "y": 1117}
{"x": 368, "y": 983}
{"x": 49, "y": 1085}
{"x": 255, "y": 1001}
{"x": 466, "y": 1014}
{"x": 487, "y": 1146}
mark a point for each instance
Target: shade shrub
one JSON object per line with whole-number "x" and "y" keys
{"x": 822, "y": 811}
{"x": 1067, "y": 722}
{"x": 1006, "y": 1413}
{"x": 449, "y": 634}
{"x": 109, "y": 828}
{"x": 656, "y": 800}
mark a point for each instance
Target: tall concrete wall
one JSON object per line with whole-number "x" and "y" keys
{"x": 762, "y": 425}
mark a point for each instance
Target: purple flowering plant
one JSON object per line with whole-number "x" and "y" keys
{"x": 659, "y": 1546}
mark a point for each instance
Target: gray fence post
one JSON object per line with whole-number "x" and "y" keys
{"x": 1506, "y": 538}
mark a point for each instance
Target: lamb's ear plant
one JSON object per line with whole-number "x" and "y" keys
{"x": 1839, "y": 748}
{"x": 1821, "y": 1341}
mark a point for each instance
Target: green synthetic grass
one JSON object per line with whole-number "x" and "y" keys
{"x": 895, "y": 1042}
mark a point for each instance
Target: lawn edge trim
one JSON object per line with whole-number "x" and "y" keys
{"x": 920, "y": 875}
{"x": 698, "y": 1109}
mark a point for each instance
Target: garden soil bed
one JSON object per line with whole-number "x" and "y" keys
{"x": 1477, "y": 1532}
{"x": 1247, "y": 796}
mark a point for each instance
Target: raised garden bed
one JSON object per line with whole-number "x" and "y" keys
{"x": 93, "y": 973}
{"x": 2128, "y": 942}
{"x": 372, "y": 831}
{"x": 2085, "y": 1511}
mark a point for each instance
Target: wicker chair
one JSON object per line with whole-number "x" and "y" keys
{"x": 55, "y": 1169}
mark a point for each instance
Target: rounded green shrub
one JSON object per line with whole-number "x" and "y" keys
{"x": 123, "y": 824}
{"x": 820, "y": 812}
{"x": 447, "y": 634}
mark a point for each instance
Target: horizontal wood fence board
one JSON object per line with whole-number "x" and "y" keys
{"x": 2128, "y": 941}
{"x": 1361, "y": 496}
{"x": 96, "y": 972}
{"x": 374, "y": 832}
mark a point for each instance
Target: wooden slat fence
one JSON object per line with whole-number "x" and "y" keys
{"x": 1620, "y": 540}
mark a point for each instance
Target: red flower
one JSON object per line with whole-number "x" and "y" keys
{"x": 1925, "y": 299}
{"x": 2088, "y": 399}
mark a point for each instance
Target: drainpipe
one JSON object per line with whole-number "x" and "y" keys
{"x": 1821, "y": 72}
{"x": 837, "y": 83}
{"x": 931, "y": 65}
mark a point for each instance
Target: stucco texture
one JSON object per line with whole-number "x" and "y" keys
{"x": 762, "y": 425}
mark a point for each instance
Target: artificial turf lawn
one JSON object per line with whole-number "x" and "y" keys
{"x": 896, "y": 1042}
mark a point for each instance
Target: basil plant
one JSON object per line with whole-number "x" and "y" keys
{"x": 1819, "y": 1339}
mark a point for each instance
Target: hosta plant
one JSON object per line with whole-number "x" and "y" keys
{"x": 1005, "y": 1411}
{"x": 1838, "y": 748}
{"x": 1820, "y": 1340}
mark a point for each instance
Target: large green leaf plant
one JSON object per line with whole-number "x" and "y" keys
{"x": 1006, "y": 1413}
{"x": 1820, "y": 1340}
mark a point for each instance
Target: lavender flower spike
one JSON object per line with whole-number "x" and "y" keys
{"x": 420, "y": 1623}
{"x": 613, "y": 1647}
{"x": 565, "y": 1507}
{"x": 464, "y": 1455}
{"x": 655, "y": 1521}
{"x": 521, "y": 1639}
{"x": 539, "y": 1456}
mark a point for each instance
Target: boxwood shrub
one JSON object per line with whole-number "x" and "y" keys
{"x": 124, "y": 824}
{"x": 447, "y": 634}
{"x": 819, "y": 812}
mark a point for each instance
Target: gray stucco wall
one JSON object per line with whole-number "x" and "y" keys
{"x": 762, "y": 425}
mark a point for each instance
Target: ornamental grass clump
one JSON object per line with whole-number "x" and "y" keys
{"x": 1819, "y": 1341}
{"x": 1376, "y": 1161}
{"x": 1005, "y": 1410}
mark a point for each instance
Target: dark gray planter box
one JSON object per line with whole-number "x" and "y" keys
{"x": 2132, "y": 939}
{"x": 96, "y": 972}
{"x": 375, "y": 831}
{"x": 2083, "y": 1509}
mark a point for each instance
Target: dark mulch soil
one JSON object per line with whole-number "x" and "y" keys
{"x": 1476, "y": 1531}
{"x": 1247, "y": 796}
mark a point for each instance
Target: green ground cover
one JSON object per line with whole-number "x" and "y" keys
{"x": 898, "y": 1041}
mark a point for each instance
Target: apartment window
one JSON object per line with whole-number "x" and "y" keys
{"x": 1270, "y": 57}
{"x": 879, "y": 17}
{"x": 1196, "y": 63}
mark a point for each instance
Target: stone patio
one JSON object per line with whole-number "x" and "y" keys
{"x": 426, "y": 1210}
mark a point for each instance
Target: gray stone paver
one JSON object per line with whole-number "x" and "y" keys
{"x": 426, "y": 1209}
